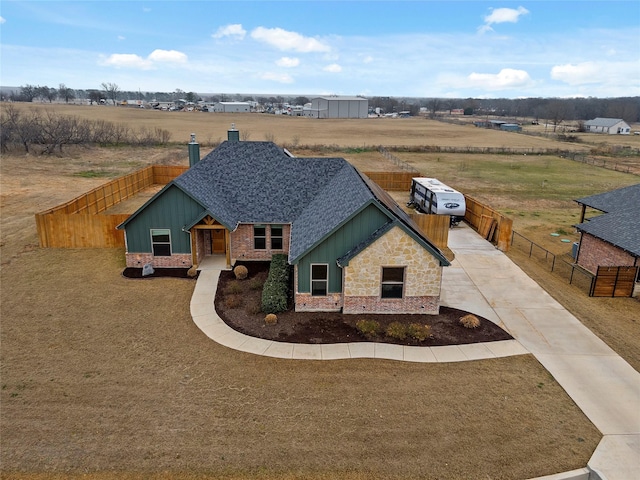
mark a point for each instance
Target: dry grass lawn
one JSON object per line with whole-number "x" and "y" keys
{"x": 104, "y": 376}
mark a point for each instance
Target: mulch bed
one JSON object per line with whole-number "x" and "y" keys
{"x": 131, "y": 272}
{"x": 238, "y": 310}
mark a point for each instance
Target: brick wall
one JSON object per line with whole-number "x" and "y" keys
{"x": 179, "y": 260}
{"x": 242, "y": 243}
{"x": 416, "y": 305}
{"x": 595, "y": 252}
{"x": 305, "y": 302}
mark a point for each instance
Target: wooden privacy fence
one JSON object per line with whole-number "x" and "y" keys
{"x": 434, "y": 227}
{"x": 489, "y": 223}
{"x": 393, "y": 181}
{"x": 614, "y": 282}
{"x": 81, "y": 221}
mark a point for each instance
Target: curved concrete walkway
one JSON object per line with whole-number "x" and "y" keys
{"x": 484, "y": 281}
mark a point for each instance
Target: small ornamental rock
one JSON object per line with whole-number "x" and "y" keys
{"x": 147, "y": 269}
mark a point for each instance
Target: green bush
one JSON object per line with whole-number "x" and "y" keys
{"x": 419, "y": 332}
{"x": 397, "y": 330}
{"x": 276, "y": 288}
{"x": 369, "y": 328}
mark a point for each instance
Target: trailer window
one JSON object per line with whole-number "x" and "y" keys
{"x": 392, "y": 282}
{"x": 259, "y": 237}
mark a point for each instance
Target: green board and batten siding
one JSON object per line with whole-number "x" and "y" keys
{"x": 354, "y": 232}
{"x": 172, "y": 209}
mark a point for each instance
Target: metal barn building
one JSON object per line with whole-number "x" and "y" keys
{"x": 231, "y": 107}
{"x": 335, "y": 106}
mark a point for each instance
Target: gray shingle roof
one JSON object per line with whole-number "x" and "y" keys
{"x": 603, "y": 122}
{"x": 620, "y": 224}
{"x": 256, "y": 182}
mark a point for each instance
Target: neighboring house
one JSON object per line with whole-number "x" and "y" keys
{"x": 612, "y": 238}
{"x": 335, "y": 106}
{"x": 353, "y": 249}
{"x": 612, "y": 126}
{"x": 231, "y": 107}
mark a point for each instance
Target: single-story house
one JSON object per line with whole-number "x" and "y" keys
{"x": 613, "y": 237}
{"x": 612, "y": 126}
{"x": 352, "y": 248}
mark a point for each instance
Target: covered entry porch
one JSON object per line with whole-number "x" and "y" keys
{"x": 209, "y": 238}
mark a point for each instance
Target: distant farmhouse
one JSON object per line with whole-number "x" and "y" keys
{"x": 335, "y": 106}
{"x": 612, "y": 126}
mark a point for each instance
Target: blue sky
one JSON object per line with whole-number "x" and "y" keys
{"x": 374, "y": 48}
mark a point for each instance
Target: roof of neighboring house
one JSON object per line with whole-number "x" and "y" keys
{"x": 257, "y": 182}
{"x": 620, "y": 224}
{"x": 603, "y": 122}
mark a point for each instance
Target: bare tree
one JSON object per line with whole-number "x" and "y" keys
{"x": 65, "y": 93}
{"x": 111, "y": 91}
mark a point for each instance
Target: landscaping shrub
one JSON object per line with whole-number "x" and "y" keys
{"x": 470, "y": 321}
{"x": 271, "y": 319}
{"x": 369, "y": 328}
{"x": 276, "y": 288}
{"x": 233, "y": 288}
{"x": 256, "y": 283}
{"x": 241, "y": 272}
{"x": 192, "y": 272}
{"x": 419, "y": 332}
{"x": 232, "y": 301}
{"x": 253, "y": 308}
{"x": 397, "y": 330}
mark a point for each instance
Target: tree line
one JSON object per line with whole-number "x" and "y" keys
{"x": 555, "y": 110}
{"x": 47, "y": 132}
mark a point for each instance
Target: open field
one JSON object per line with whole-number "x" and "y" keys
{"x": 103, "y": 375}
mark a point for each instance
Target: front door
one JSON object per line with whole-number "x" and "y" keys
{"x": 217, "y": 241}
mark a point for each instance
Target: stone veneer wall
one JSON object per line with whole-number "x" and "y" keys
{"x": 242, "y": 243}
{"x": 178, "y": 260}
{"x": 594, "y": 252}
{"x": 423, "y": 276}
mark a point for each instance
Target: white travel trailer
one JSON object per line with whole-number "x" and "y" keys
{"x": 429, "y": 195}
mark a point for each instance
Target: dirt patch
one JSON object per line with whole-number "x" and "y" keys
{"x": 236, "y": 303}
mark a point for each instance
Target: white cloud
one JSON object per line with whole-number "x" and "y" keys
{"x": 277, "y": 77}
{"x": 131, "y": 60}
{"x": 121, "y": 37}
{"x": 333, "y": 68}
{"x": 167, "y": 56}
{"x": 367, "y": 59}
{"x": 126, "y": 60}
{"x": 614, "y": 74}
{"x": 288, "y": 41}
{"x": 2, "y": 20}
{"x": 505, "y": 79}
{"x": 502, "y": 15}
{"x": 288, "y": 62}
{"x": 234, "y": 30}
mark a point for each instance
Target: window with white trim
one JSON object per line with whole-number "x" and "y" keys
{"x": 276, "y": 237}
{"x": 161, "y": 242}
{"x": 259, "y": 237}
{"x": 319, "y": 279}
{"x": 392, "y": 282}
